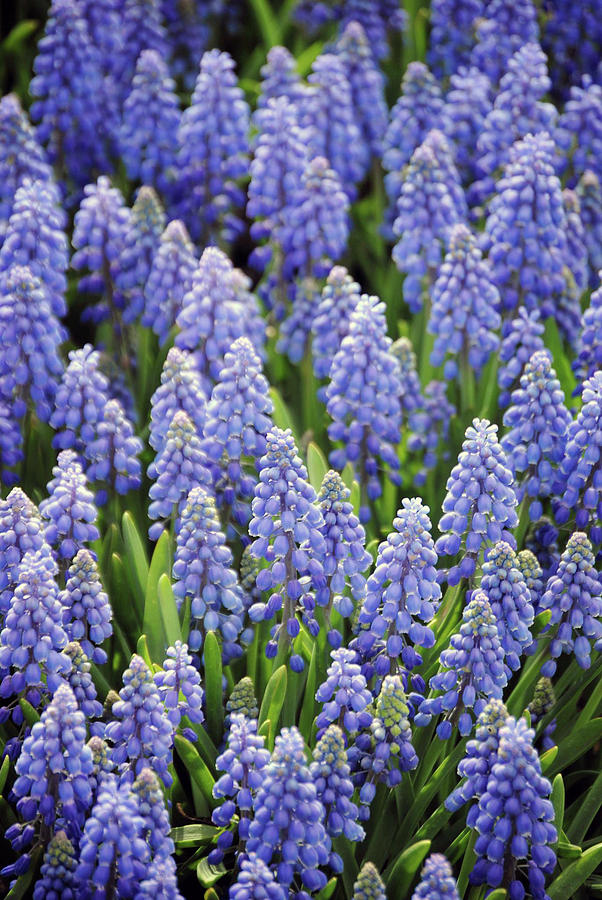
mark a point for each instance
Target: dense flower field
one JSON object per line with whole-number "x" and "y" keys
{"x": 301, "y": 450}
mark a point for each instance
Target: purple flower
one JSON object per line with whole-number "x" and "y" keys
{"x": 574, "y": 596}
{"x": 369, "y": 885}
{"x": 21, "y": 532}
{"x": 169, "y": 280}
{"x": 367, "y": 85}
{"x": 467, "y": 104}
{"x": 141, "y": 732}
{"x": 437, "y": 881}
{"x": 589, "y": 343}
{"x": 69, "y": 508}
{"x": 87, "y": 611}
{"x": 578, "y": 132}
{"x": 256, "y": 882}
{"x": 524, "y": 336}
{"x": 363, "y": 399}
{"x": 480, "y": 506}
{"x": 345, "y": 694}
{"x": 80, "y": 400}
{"x": 140, "y": 243}
{"x": 506, "y": 26}
{"x": 180, "y": 390}
{"x": 452, "y": 30}
{"x": 279, "y": 79}
{"x": 481, "y": 754}
{"x": 57, "y": 873}
{"x": 590, "y": 197}
{"x": 179, "y": 677}
{"x": 330, "y": 325}
{"x": 80, "y": 681}
{"x": 429, "y": 425}
{"x": 330, "y": 772}
{"x": 506, "y": 589}
{"x": 113, "y": 455}
{"x": 287, "y": 830}
{"x": 475, "y": 672}
{"x": 532, "y": 572}
{"x": 148, "y": 791}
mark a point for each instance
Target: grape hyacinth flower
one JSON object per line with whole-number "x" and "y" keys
{"x": 140, "y": 242}
{"x": 578, "y": 132}
{"x": 480, "y": 505}
{"x": 542, "y": 540}
{"x": 68, "y": 90}
{"x": 213, "y": 151}
{"x": 148, "y": 136}
{"x": 574, "y": 596}
{"x": 543, "y": 702}
{"x": 21, "y": 532}
{"x": 525, "y": 233}
{"x": 481, "y": 754}
{"x": 330, "y": 117}
{"x": 367, "y": 85}
{"x": 140, "y": 731}
{"x": 35, "y": 237}
{"x": 316, "y": 224}
{"x": 238, "y": 418}
{"x": 287, "y": 830}
{"x": 203, "y": 571}
{"x": 340, "y": 296}
{"x": 87, "y": 611}
{"x": 180, "y": 390}
{"x": 418, "y": 110}
{"x": 330, "y": 772}
{"x": 99, "y": 235}
{"x": 151, "y": 805}
{"x": 242, "y": 700}
{"x": 255, "y": 880}
{"x": 506, "y": 589}
{"x": 216, "y": 311}
{"x": 32, "y": 637}
{"x": 589, "y": 343}
{"x": 112, "y": 846}
{"x": 402, "y": 596}
{"x": 515, "y": 816}
{"x": 517, "y": 111}
{"x": 537, "y": 423}
{"x": 169, "y": 280}
{"x": 437, "y": 881}
{"x": 287, "y": 527}
{"x": 363, "y": 399}
{"x": 590, "y": 198}
{"x": 11, "y": 443}
{"x": 475, "y": 672}
{"x": 21, "y": 156}
{"x": 532, "y": 572}
{"x": 467, "y": 104}
{"x": 430, "y": 201}
{"x": 523, "y": 338}
{"x": 179, "y": 466}
{"x": 411, "y": 388}
{"x": 576, "y": 241}
{"x": 279, "y": 79}
{"x": 580, "y": 468}
{"x": 187, "y": 36}
{"x": 369, "y": 885}
{"x": 30, "y": 335}
{"x": 571, "y": 37}
{"x": 57, "y": 872}
{"x": 69, "y": 508}
{"x": 345, "y": 694}
{"x": 79, "y": 679}
{"x": 80, "y": 400}
{"x": 452, "y": 34}
{"x": 102, "y": 763}
{"x": 180, "y": 678}
{"x": 346, "y": 557}
{"x": 113, "y": 454}
{"x": 243, "y": 763}
{"x": 160, "y": 881}
{"x": 388, "y": 753}
{"x": 464, "y": 317}
{"x": 142, "y": 29}
{"x": 505, "y": 26}
{"x": 53, "y": 768}
{"x": 377, "y": 19}
{"x": 429, "y": 429}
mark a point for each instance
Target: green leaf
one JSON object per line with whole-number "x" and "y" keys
{"x": 576, "y": 744}
{"x": 327, "y": 892}
{"x": 404, "y": 871}
{"x": 143, "y": 651}
{"x": 281, "y": 415}
{"x": 4, "y": 772}
{"x": 169, "y": 611}
{"x": 557, "y": 798}
{"x": 207, "y": 874}
{"x": 308, "y": 707}
{"x": 125, "y": 612}
{"x": 553, "y": 342}
{"x": 152, "y": 623}
{"x": 273, "y": 699}
{"x": 498, "y": 894}
{"x": 569, "y": 881}
{"x": 568, "y": 851}
{"x": 30, "y": 714}
{"x": 18, "y": 36}
{"x": 136, "y": 559}
{"x": 267, "y": 22}
{"x": 589, "y": 804}
{"x": 348, "y": 476}
{"x": 193, "y": 835}
{"x": 548, "y": 758}
{"x": 198, "y": 771}
{"x": 317, "y": 467}
{"x": 306, "y": 58}
{"x": 214, "y": 701}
